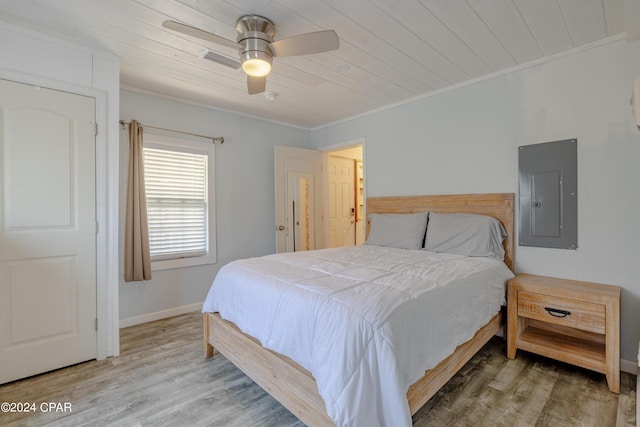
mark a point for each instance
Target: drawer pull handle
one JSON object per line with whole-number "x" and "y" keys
{"x": 557, "y": 312}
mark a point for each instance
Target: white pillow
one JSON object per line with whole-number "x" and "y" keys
{"x": 403, "y": 231}
{"x": 465, "y": 234}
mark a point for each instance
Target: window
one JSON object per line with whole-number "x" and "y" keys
{"x": 179, "y": 184}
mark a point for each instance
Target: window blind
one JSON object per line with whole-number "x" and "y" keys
{"x": 176, "y": 187}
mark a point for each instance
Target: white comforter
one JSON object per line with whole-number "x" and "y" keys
{"x": 366, "y": 321}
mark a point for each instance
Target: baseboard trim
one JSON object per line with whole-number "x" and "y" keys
{"x": 629, "y": 366}
{"x": 157, "y": 315}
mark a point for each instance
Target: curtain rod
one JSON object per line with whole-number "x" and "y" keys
{"x": 215, "y": 139}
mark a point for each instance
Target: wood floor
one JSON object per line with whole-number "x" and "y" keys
{"x": 162, "y": 379}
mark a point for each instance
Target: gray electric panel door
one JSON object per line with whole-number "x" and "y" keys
{"x": 548, "y": 187}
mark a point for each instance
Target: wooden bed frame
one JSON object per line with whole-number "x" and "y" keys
{"x": 294, "y": 387}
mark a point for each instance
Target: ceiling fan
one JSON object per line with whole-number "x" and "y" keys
{"x": 257, "y": 48}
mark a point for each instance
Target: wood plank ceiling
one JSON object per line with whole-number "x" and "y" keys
{"x": 390, "y": 50}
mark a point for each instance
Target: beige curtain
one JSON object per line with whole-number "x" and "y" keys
{"x": 137, "y": 260}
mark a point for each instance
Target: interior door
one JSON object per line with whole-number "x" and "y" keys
{"x": 298, "y": 198}
{"x": 47, "y": 230}
{"x": 342, "y": 202}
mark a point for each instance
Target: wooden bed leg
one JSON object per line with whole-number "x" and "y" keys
{"x": 209, "y": 351}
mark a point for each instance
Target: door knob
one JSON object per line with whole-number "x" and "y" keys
{"x": 280, "y": 227}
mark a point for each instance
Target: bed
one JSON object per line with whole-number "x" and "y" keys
{"x": 295, "y": 387}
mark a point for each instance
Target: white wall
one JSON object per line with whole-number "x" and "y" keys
{"x": 245, "y": 206}
{"x": 33, "y": 58}
{"x": 465, "y": 141}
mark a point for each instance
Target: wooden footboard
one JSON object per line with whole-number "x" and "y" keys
{"x": 209, "y": 350}
{"x": 295, "y": 388}
{"x": 289, "y": 383}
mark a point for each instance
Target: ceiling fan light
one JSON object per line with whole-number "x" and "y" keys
{"x": 256, "y": 63}
{"x": 256, "y": 67}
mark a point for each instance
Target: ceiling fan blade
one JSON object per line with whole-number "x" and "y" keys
{"x": 305, "y": 44}
{"x": 198, "y": 33}
{"x": 256, "y": 84}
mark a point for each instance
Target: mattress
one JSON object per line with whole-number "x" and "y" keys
{"x": 366, "y": 321}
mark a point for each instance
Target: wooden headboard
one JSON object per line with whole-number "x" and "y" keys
{"x": 498, "y": 205}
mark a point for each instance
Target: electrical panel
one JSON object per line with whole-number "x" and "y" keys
{"x": 548, "y": 188}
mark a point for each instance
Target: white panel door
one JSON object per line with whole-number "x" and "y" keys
{"x": 298, "y": 198}
{"x": 47, "y": 230}
{"x": 342, "y": 202}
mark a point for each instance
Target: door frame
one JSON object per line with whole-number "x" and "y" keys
{"x": 326, "y": 151}
{"x": 107, "y": 191}
{"x": 282, "y": 174}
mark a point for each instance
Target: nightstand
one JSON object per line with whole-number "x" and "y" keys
{"x": 567, "y": 320}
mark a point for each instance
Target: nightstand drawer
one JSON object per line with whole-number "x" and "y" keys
{"x": 581, "y": 315}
